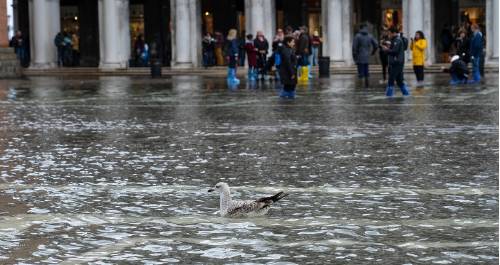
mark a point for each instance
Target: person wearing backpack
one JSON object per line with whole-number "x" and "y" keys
{"x": 396, "y": 56}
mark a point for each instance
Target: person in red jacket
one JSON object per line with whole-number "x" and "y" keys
{"x": 252, "y": 57}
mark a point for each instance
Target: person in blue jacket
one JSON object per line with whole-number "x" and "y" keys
{"x": 232, "y": 49}
{"x": 476, "y": 50}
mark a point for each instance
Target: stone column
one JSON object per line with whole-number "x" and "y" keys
{"x": 114, "y": 34}
{"x": 417, "y": 15}
{"x": 337, "y": 34}
{"x": 186, "y": 36}
{"x": 4, "y": 42}
{"x": 260, "y": 15}
{"x": 44, "y": 25}
{"x": 492, "y": 36}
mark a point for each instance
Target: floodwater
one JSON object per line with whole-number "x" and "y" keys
{"x": 115, "y": 170}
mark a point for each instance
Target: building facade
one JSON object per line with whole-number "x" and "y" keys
{"x": 109, "y": 28}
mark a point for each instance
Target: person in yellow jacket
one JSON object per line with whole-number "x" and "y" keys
{"x": 418, "y": 46}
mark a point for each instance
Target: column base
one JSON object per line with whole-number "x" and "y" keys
{"x": 41, "y": 66}
{"x": 341, "y": 63}
{"x": 178, "y": 65}
{"x": 113, "y": 66}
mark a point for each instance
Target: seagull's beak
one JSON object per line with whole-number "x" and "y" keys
{"x": 210, "y": 190}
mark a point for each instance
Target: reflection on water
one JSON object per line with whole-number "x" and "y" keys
{"x": 115, "y": 170}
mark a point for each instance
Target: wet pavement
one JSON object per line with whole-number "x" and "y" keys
{"x": 115, "y": 170}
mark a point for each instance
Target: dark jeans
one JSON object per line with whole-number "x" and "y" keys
{"x": 396, "y": 75}
{"x": 384, "y": 70}
{"x": 476, "y": 73}
{"x": 363, "y": 70}
{"x": 261, "y": 63}
{"x": 208, "y": 58}
{"x": 60, "y": 55}
{"x": 241, "y": 57}
{"x": 455, "y": 79}
{"x": 419, "y": 72}
{"x": 289, "y": 88}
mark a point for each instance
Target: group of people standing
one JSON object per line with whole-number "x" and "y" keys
{"x": 292, "y": 55}
{"x": 392, "y": 55}
{"x": 68, "y": 49}
{"x": 468, "y": 47}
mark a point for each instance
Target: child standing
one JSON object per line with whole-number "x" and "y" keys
{"x": 288, "y": 68}
{"x": 252, "y": 58}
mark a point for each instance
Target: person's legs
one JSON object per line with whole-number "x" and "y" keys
{"x": 288, "y": 92}
{"x": 476, "y": 75}
{"x": 419, "y": 72}
{"x": 366, "y": 73}
{"x": 384, "y": 71}
{"x": 390, "y": 83}
{"x": 400, "y": 81}
{"x": 315, "y": 56}
{"x": 360, "y": 70}
{"x": 205, "y": 59}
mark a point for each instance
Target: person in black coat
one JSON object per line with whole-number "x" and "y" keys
{"x": 458, "y": 71}
{"x": 462, "y": 46}
{"x": 288, "y": 68}
{"x": 396, "y": 55}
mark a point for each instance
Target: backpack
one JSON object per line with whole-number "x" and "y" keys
{"x": 405, "y": 42}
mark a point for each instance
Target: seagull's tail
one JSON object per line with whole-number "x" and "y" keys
{"x": 278, "y": 196}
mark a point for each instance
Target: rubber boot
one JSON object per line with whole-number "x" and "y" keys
{"x": 304, "y": 74}
{"x": 389, "y": 91}
{"x": 250, "y": 75}
{"x": 229, "y": 74}
{"x": 233, "y": 75}
{"x": 287, "y": 94}
{"x": 309, "y": 71}
{"x": 367, "y": 82}
{"x": 404, "y": 90}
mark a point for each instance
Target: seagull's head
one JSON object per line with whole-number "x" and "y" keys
{"x": 220, "y": 187}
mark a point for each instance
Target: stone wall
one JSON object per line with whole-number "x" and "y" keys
{"x": 9, "y": 65}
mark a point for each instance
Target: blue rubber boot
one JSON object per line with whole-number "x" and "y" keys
{"x": 229, "y": 74}
{"x": 250, "y": 75}
{"x": 234, "y": 80}
{"x": 287, "y": 94}
{"x": 309, "y": 70}
{"x": 389, "y": 91}
{"x": 404, "y": 90}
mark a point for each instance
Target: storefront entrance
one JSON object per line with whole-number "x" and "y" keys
{"x": 150, "y": 20}
{"x": 299, "y": 13}
{"x": 452, "y": 16}
{"x": 79, "y": 20}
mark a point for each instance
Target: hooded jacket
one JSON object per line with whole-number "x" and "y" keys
{"x": 363, "y": 46}
{"x": 418, "y": 51}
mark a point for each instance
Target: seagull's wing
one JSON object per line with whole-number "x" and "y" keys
{"x": 246, "y": 207}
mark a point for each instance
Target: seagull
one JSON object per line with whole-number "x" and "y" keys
{"x": 246, "y": 208}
